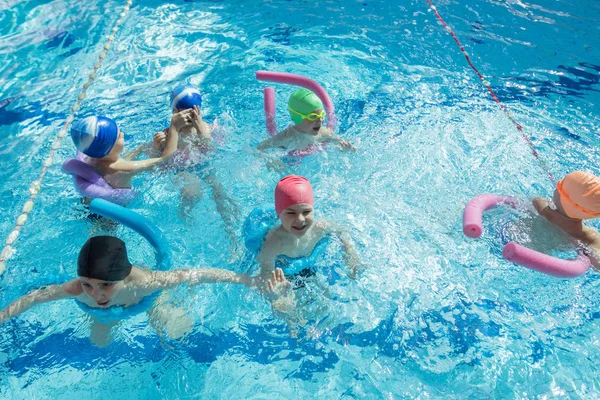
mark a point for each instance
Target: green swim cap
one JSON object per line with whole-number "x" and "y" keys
{"x": 304, "y": 102}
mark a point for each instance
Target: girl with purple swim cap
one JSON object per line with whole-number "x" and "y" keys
{"x": 101, "y": 140}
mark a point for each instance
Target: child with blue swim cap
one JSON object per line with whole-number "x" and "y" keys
{"x": 195, "y": 147}
{"x": 307, "y": 113}
{"x": 102, "y": 141}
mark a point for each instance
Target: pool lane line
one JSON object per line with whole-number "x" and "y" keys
{"x": 486, "y": 83}
{"x": 36, "y": 186}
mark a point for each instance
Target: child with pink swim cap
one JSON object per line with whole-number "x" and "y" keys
{"x": 576, "y": 198}
{"x": 298, "y": 233}
{"x": 307, "y": 112}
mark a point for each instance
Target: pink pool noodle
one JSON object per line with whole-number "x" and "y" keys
{"x": 544, "y": 263}
{"x": 298, "y": 80}
{"x": 474, "y": 210}
{"x": 270, "y": 110}
{"x": 518, "y": 254}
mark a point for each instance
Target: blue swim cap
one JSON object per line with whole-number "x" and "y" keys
{"x": 184, "y": 97}
{"x": 95, "y": 136}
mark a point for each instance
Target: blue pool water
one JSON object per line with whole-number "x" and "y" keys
{"x": 435, "y": 315}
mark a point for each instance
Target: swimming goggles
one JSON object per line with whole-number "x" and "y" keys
{"x": 312, "y": 116}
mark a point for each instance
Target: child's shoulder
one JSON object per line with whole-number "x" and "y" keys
{"x": 325, "y": 131}
{"x": 273, "y": 239}
{"x": 73, "y": 287}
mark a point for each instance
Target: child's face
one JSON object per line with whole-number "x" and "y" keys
{"x": 311, "y": 127}
{"x": 119, "y": 145}
{"x": 102, "y": 292}
{"x": 189, "y": 128}
{"x": 297, "y": 219}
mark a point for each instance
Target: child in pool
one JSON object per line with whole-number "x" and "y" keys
{"x": 192, "y": 158}
{"x": 576, "y": 198}
{"x": 102, "y": 141}
{"x": 299, "y": 232}
{"x": 308, "y": 114}
{"x": 106, "y": 279}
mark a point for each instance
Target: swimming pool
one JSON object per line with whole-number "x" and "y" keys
{"x": 436, "y": 315}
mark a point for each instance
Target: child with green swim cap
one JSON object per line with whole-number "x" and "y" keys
{"x": 308, "y": 114}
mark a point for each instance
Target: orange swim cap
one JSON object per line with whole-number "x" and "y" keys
{"x": 580, "y": 195}
{"x": 293, "y": 190}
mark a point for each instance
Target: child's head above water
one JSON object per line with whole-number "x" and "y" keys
{"x": 305, "y": 107}
{"x": 578, "y": 195}
{"x": 294, "y": 204}
{"x": 185, "y": 97}
{"x": 102, "y": 267}
{"x": 96, "y": 136}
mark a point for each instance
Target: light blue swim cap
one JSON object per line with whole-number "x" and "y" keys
{"x": 95, "y": 136}
{"x": 184, "y": 97}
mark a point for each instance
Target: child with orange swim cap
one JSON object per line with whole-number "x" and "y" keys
{"x": 307, "y": 112}
{"x": 297, "y": 235}
{"x": 576, "y": 198}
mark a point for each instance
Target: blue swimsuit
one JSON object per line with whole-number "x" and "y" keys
{"x": 255, "y": 229}
{"x": 119, "y": 312}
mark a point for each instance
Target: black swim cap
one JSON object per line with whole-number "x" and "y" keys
{"x": 104, "y": 258}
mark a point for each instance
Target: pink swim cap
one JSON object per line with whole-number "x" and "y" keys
{"x": 293, "y": 190}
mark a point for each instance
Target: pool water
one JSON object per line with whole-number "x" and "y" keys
{"x": 434, "y": 314}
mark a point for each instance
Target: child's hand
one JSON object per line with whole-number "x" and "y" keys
{"x": 197, "y": 118}
{"x": 182, "y": 119}
{"x": 540, "y": 204}
{"x": 344, "y": 145}
{"x": 159, "y": 140}
{"x": 276, "y": 165}
{"x": 277, "y": 286}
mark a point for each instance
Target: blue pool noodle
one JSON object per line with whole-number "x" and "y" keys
{"x": 138, "y": 223}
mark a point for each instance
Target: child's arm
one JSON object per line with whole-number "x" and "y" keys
{"x": 331, "y": 136}
{"x": 169, "y": 279}
{"x": 201, "y": 127}
{"x": 178, "y": 121}
{"x": 141, "y": 149}
{"x": 274, "y": 141}
{"x": 349, "y": 252}
{"x": 226, "y": 208}
{"x": 41, "y": 295}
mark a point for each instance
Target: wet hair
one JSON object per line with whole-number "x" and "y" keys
{"x": 104, "y": 258}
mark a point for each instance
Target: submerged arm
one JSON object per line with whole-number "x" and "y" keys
{"x": 38, "y": 296}
{"x": 273, "y": 141}
{"x": 350, "y": 254}
{"x": 226, "y": 208}
{"x": 331, "y": 136}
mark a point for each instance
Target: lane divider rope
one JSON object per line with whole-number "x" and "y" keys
{"x": 488, "y": 86}
{"x": 34, "y": 188}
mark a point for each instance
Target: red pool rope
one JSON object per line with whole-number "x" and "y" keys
{"x": 489, "y": 88}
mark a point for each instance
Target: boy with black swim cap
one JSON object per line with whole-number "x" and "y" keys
{"x": 107, "y": 279}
